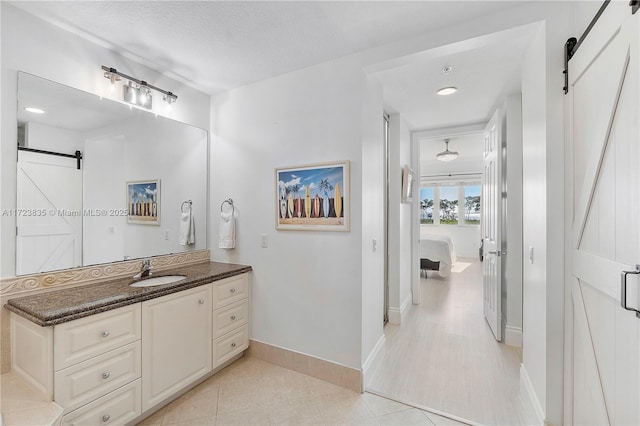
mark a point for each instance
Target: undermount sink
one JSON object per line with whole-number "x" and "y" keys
{"x": 165, "y": 279}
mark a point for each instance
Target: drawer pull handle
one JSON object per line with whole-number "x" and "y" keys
{"x": 233, "y": 290}
{"x": 105, "y": 333}
{"x": 106, "y": 418}
{"x": 106, "y": 375}
{"x": 233, "y": 317}
{"x": 233, "y": 345}
{"x": 201, "y": 301}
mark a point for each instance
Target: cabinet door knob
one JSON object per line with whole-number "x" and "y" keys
{"x": 233, "y": 290}
{"x": 106, "y": 418}
{"x": 201, "y": 301}
{"x": 233, "y": 345}
{"x": 233, "y": 317}
{"x": 106, "y": 375}
{"x": 105, "y": 333}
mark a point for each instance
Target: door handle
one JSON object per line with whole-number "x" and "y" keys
{"x": 623, "y": 289}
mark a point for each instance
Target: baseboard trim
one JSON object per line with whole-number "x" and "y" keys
{"x": 397, "y": 315}
{"x": 337, "y": 374}
{"x": 513, "y": 336}
{"x": 368, "y": 368}
{"x": 525, "y": 382}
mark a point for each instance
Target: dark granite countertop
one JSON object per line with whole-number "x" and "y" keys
{"x": 59, "y": 306}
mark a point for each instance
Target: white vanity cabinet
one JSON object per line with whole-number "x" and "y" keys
{"x": 176, "y": 348}
{"x": 230, "y": 318}
{"x": 85, "y": 362}
{"x": 112, "y": 367}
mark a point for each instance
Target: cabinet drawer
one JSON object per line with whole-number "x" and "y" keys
{"x": 230, "y": 290}
{"x": 229, "y": 345}
{"x": 91, "y": 379}
{"x": 84, "y": 338}
{"x": 230, "y": 317}
{"x": 116, "y": 408}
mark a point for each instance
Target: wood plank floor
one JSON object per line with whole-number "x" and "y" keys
{"x": 445, "y": 357}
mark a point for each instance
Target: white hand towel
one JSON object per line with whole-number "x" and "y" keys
{"x": 187, "y": 229}
{"x": 227, "y": 231}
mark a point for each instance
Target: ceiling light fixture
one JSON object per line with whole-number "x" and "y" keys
{"x": 137, "y": 92}
{"x": 450, "y": 89}
{"x": 447, "y": 91}
{"x": 34, "y": 110}
{"x": 447, "y": 155}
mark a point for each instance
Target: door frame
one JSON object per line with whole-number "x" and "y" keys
{"x": 416, "y": 137}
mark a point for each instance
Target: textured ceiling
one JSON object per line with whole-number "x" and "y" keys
{"x": 218, "y": 45}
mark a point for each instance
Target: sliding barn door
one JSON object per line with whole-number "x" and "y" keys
{"x": 492, "y": 224}
{"x": 603, "y": 164}
{"x": 49, "y": 213}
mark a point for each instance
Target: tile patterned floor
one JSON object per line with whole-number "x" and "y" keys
{"x": 254, "y": 392}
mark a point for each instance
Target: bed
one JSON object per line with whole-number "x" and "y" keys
{"x": 437, "y": 254}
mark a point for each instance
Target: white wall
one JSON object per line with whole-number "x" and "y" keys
{"x": 405, "y": 250}
{"x": 42, "y": 136}
{"x": 399, "y": 271}
{"x": 373, "y": 238}
{"x": 103, "y": 188}
{"x": 543, "y": 191}
{"x": 144, "y": 148}
{"x": 307, "y": 285}
{"x": 534, "y": 203}
{"x": 512, "y": 225}
{"x": 34, "y": 46}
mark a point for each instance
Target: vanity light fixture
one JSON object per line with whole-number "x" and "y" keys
{"x": 137, "y": 92}
{"x": 34, "y": 110}
{"x": 447, "y": 155}
{"x": 111, "y": 74}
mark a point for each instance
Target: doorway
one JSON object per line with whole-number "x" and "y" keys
{"x": 439, "y": 351}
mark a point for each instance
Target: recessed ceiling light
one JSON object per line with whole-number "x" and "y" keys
{"x": 34, "y": 110}
{"x": 447, "y": 91}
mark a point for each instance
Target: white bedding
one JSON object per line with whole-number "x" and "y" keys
{"x": 438, "y": 248}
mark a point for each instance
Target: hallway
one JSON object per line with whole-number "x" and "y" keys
{"x": 445, "y": 357}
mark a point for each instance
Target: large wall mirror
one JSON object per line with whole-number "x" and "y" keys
{"x": 126, "y": 198}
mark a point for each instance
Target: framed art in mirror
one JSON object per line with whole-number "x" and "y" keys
{"x": 144, "y": 202}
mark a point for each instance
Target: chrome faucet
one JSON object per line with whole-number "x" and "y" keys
{"x": 145, "y": 269}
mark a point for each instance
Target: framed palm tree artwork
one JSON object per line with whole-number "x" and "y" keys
{"x": 313, "y": 197}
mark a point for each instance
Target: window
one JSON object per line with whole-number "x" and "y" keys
{"x": 472, "y": 205}
{"x": 448, "y": 205}
{"x": 426, "y": 205}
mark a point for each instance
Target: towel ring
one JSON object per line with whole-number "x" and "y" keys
{"x": 189, "y": 203}
{"x": 230, "y": 202}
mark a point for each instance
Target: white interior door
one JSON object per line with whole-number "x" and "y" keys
{"x": 49, "y": 213}
{"x": 604, "y": 214}
{"x": 491, "y": 224}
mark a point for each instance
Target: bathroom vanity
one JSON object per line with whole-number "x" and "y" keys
{"x": 110, "y": 353}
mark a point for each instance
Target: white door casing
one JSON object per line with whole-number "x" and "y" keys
{"x": 48, "y": 213}
{"x": 603, "y": 154}
{"x": 492, "y": 224}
